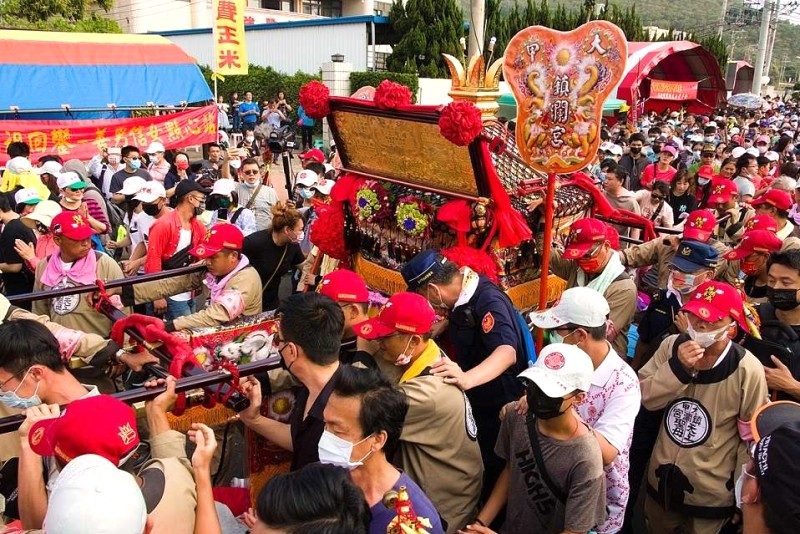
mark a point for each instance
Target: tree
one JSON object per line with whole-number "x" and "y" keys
{"x": 428, "y": 28}
{"x": 57, "y": 15}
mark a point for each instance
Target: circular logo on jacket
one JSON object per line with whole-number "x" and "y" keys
{"x": 469, "y": 419}
{"x": 687, "y": 422}
{"x": 554, "y": 361}
{"x": 66, "y": 304}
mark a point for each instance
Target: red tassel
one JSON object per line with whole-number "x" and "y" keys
{"x": 513, "y": 229}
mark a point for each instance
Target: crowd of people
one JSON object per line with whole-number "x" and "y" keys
{"x": 648, "y": 409}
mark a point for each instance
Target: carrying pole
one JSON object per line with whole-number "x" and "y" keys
{"x": 547, "y": 241}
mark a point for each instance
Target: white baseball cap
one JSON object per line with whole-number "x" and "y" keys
{"x": 27, "y": 196}
{"x": 132, "y": 185}
{"x": 735, "y": 130}
{"x": 772, "y": 155}
{"x": 150, "y": 192}
{"x": 580, "y": 306}
{"x": 43, "y": 213}
{"x": 738, "y": 151}
{"x": 92, "y": 496}
{"x": 307, "y": 178}
{"x": 753, "y": 151}
{"x": 70, "y": 180}
{"x": 53, "y": 168}
{"x": 324, "y": 186}
{"x": 224, "y": 187}
{"x": 560, "y": 369}
{"x": 154, "y": 147}
{"x": 114, "y": 150}
{"x": 19, "y": 165}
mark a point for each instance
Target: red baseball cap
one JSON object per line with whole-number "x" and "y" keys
{"x": 72, "y": 225}
{"x": 100, "y": 425}
{"x": 754, "y": 241}
{"x": 713, "y": 300}
{"x": 314, "y": 154}
{"x": 613, "y": 236}
{"x": 700, "y": 225}
{"x": 775, "y": 197}
{"x": 344, "y": 286}
{"x": 406, "y": 313}
{"x": 585, "y": 234}
{"x": 706, "y": 171}
{"x": 722, "y": 190}
{"x": 218, "y": 237}
{"x": 761, "y": 222}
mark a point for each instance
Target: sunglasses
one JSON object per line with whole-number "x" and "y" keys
{"x": 251, "y": 172}
{"x": 657, "y": 197}
{"x": 77, "y": 189}
{"x": 134, "y": 159}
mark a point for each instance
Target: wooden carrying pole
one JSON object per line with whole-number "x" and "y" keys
{"x": 547, "y": 240}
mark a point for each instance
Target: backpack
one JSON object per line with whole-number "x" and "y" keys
{"x": 115, "y": 213}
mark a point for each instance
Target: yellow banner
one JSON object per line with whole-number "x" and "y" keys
{"x": 230, "y": 49}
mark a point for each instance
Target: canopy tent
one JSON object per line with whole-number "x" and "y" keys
{"x": 672, "y": 61}
{"x": 87, "y": 71}
{"x": 739, "y": 77}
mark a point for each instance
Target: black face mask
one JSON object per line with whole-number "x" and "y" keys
{"x": 542, "y": 406}
{"x": 782, "y": 299}
{"x": 151, "y": 209}
{"x": 636, "y": 150}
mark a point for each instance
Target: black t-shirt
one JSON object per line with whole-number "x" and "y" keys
{"x": 271, "y": 262}
{"x": 307, "y": 431}
{"x": 120, "y": 176}
{"x": 21, "y": 282}
{"x": 682, "y": 206}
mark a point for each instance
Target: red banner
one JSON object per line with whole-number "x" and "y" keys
{"x": 664, "y": 90}
{"x": 83, "y": 139}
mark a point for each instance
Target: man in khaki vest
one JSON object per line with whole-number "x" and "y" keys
{"x": 438, "y": 446}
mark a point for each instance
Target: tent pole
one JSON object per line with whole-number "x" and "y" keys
{"x": 215, "y": 90}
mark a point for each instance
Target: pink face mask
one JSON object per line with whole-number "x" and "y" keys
{"x": 182, "y": 165}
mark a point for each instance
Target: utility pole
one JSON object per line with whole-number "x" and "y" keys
{"x": 722, "y": 20}
{"x": 766, "y": 14}
{"x": 773, "y": 29}
{"x": 477, "y": 25}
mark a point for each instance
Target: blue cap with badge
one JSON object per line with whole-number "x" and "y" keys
{"x": 417, "y": 271}
{"x": 693, "y": 255}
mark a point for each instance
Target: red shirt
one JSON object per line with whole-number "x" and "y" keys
{"x": 651, "y": 174}
{"x": 163, "y": 239}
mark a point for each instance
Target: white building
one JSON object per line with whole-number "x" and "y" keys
{"x": 143, "y": 16}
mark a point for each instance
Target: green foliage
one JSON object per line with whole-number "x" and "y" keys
{"x": 263, "y": 82}
{"x": 427, "y": 29}
{"x": 374, "y": 78}
{"x": 57, "y": 15}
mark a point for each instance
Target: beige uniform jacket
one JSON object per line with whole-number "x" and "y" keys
{"x": 74, "y": 311}
{"x": 657, "y": 253}
{"x": 621, "y": 297}
{"x": 699, "y": 451}
{"x": 439, "y": 449}
{"x": 241, "y": 296}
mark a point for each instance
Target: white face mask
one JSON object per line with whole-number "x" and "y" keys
{"x": 336, "y": 451}
{"x": 301, "y": 236}
{"x": 706, "y": 339}
{"x": 249, "y": 139}
{"x": 404, "y": 358}
{"x": 236, "y": 163}
{"x": 113, "y": 160}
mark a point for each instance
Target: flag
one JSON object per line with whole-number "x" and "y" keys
{"x": 230, "y": 49}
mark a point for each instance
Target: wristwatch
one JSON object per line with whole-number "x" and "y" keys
{"x": 118, "y": 355}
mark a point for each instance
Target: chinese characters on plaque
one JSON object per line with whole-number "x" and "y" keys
{"x": 560, "y": 81}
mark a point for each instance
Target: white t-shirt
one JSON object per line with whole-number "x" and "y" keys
{"x": 184, "y": 241}
{"x": 610, "y": 407}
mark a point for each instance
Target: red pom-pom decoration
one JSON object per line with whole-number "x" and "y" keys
{"x": 327, "y": 233}
{"x": 460, "y": 123}
{"x": 314, "y": 97}
{"x": 477, "y": 260}
{"x": 391, "y": 95}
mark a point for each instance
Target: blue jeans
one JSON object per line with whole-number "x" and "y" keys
{"x": 175, "y": 309}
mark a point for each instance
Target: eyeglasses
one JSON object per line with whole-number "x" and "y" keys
{"x": 251, "y": 172}
{"x": 15, "y": 375}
